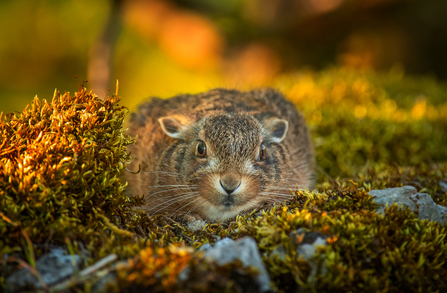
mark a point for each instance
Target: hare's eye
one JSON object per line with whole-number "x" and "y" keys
{"x": 201, "y": 149}
{"x": 262, "y": 152}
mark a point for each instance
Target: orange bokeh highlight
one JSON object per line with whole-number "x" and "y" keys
{"x": 188, "y": 38}
{"x": 192, "y": 41}
{"x": 147, "y": 17}
{"x": 322, "y": 6}
{"x": 254, "y": 65}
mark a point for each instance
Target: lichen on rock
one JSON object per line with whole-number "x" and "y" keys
{"x": 407, "y": 196}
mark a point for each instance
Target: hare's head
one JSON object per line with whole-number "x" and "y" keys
{"x": 224, "y": 163}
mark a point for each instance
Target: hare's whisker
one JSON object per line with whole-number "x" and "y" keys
{"x": 276, "y": 194}
{"x": 172, "y": 214}
{"x": 278, "y": 188}
{"x": 174, "y": 185}
{"x": 163, "y": 191}
{"x": 164, "y": 198}
{"x": 176, "y": 199}
{"x": 165, "y": 207}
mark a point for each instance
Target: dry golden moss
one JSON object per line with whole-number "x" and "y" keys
{"x": 156, "y": 269}
{"x": 59, "y": 172}
{"x": 153, "y": 265}
{"x": 59, "y": 183}
{"x": 59, "y": 167}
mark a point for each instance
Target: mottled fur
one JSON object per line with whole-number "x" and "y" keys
{"x": 232, "y": 125}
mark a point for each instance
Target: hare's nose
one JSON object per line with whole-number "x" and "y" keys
{"x": 229, "y": 190}
{"x": 230, "y": 182}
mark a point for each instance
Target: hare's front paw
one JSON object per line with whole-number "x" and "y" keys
{"x": 193, "y": 222}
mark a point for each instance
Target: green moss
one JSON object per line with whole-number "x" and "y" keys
{"x": 391, "y": 253}
{"x": 360, "y": 119}
{"x": 59, "y": 183}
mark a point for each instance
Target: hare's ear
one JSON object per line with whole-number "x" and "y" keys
{"x": 171, "y": 127}
{"x": 278, "y": 129}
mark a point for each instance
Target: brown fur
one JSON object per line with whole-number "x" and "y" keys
{"x": 232, "y": 125}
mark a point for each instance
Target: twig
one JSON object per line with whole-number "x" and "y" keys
{"x": 86, "y": 274}
{"x": 32, "y": 258}
{"x": 48, "y": 240}
{"x": 173, "y": 221}
{"x": 33, "y": 270}
{"x": 181, "y": 233}
{"x": 5, "y": 218}
{"x": 99, "y": 264}
{"x": 118, "y": 231}
{"x": 326, "y": 174}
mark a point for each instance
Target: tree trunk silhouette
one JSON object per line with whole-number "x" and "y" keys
{"x": 101, "y": 53}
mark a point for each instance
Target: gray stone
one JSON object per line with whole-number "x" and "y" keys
{"x": 196, "y": 225}
{"x": 408, "y": 196}
{"x": 308, "y": 250}
{"x": 53, "y": 267}
{"x": 244, "y": 249}
{"x": 443, "y": 186}
{"x": 279, "y": 252}
{"x": 205, "y": 247}
{"x": 220, "y": 243}
{"x": 306, "y": 243}
{"x": 309, "y": 242}
{"x": 184, "y": 274}
{"x": 224, "y": 242}
{"x": 107, "y": 278}
{"x": 308, "y": 237}
{"x": 101, "y": 285}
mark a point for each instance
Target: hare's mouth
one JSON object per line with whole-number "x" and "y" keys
{"x": 228, "y": 201}
{"x": 226, "y": 210}
{"x": 221, "y": 202}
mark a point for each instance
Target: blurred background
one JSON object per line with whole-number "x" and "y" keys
{"x": 166, "y": 47}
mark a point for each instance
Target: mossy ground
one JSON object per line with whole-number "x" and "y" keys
{"x": 59, "y": 186}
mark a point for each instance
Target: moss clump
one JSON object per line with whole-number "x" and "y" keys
{"x": 426, "y": 178}
{"x": 156, "y": 269}
{"x": 60, "y": 164}
{"x": 366, "y": 251}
